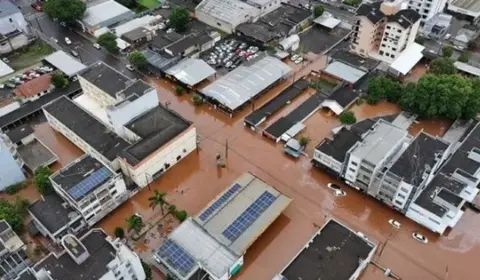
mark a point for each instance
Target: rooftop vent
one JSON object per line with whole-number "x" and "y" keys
{"x": 75, "y": 248}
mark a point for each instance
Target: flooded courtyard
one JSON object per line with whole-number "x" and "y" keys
{"x": 196, "y": 180}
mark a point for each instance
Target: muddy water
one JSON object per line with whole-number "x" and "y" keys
{"x": 193, "y": 182}
{"x": 432, "y": 127}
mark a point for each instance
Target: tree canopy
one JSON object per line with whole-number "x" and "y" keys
{"x": 447, "y": 51}
{"x": 12, "y": 213}
{"x": 119, "y": 232}
{"x": 347, "y": 117}
{"x": 59, "y": 81}
{"x": 137, "y": 59}
{"x": 380, "y": 88}
{"x": 42, "y": 181}
{"x": 442, "y": 65}
{"x": 158, "y": 199}
{"x": 179, "y": 18}
{"x": 108, "y": 41}
{"x": 67, "y": 11}
{"x": 128, "y": 3}
{"x": 464, "y": 58}
{"x": 318, "y": 10}
{"x": 135, "y": 223}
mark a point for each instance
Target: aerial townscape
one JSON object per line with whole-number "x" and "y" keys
{"x": 239, "y": 139}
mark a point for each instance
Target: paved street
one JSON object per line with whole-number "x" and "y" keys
{"x": 87, "y": 53}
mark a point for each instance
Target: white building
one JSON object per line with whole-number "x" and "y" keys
{"x": 94, "y": 256}
{"x": 11, "y": 18}
{"x": 228, "y": 14}
{"x": 427, "y": 8}
{"x": 13, "y": 258}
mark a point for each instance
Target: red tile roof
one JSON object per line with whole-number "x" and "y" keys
{"x": 33, "y": 87}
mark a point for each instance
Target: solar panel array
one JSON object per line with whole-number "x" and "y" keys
{"x": 89, "y": 183}
{"x": 176, "y": 256}
{"x": 249, "y": 216}
{"x": 220, "y": 201}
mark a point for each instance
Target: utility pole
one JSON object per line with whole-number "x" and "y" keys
{"x": 38, "y": 23}
{"x": 226, "y": 149}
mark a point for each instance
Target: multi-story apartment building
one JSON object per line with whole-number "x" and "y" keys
{"x": 426, "y": 8}
{"x": 368, "y": 156}
{"x": 90, "y": 187}
{"x": 383, "y": 30}
{"x": 94, "y": 256}
{"x": 13, "y": 258}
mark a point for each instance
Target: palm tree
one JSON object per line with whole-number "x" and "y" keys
{"x": 158, "y": 199}
{"x": 135, "y": 222}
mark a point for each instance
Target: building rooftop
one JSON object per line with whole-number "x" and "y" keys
{"x": 471, "y": 6}
{"x": 100, "y": 250}
{"x": 180, "y": 46}
{"x": 464, "y": 157}
{"x": 106, "y": 78}
{"x": 344, "y": 96}
{"x": 339, "y": 146}
{"x": 104, "y": 11}
{"x": 408, "y": 58}
{"x": 334, "y": 253}
{"x": 18, "y": 133}
{"x": 65, "y": 63}
{"x": 51, "y": 213}
{"x": 27, "y": 274}
{"x": 246, "y": 81}
{"x": 7, "y": 8}
{"x": 225, "y": 228}
{"x": 276, "y": 24}
{"x": 159, "y": 61}
{"x": 4, "y": 68}
{"x": 420, "y": 157}
{"x": 344, "y": 72}
{"x": 155, "y": 128}
{"x": 379, "y": 140}
{"x": 85, "y": 126}
{"x": 191, "y": 71}
{"x": 234, "y": 11}
{"x": 404, "y": 18}
{"x": 135, "y": 34}
{"x": 162, "y": 40}
{"x": 82, "y": 176}
{"x": 34, "y": 87}
{"x": 364, "y": 63}
{"x": 35, "y": 155}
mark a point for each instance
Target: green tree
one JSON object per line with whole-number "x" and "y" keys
{"x": 59, "y": 81}
{"x": 197, "y": 99}
{"x": 447, "y": 51}
{"x": 179, "y": 18}
{"x": 472, "y": 45}
{"x": 42, "y": 181}
{"x": 128, "y": 3}
{"x": 420, "y": 40}
{"x": 21, "y": 204}
{"x": 380, "y": 88}
{"x": 119, "y": 232}
{"x": 148, "y": 271}
{"x": 67, "y": 11}
{"x": 138, "y": 59}
{"x": 463, "y": 58}
{"x": 179, "y": 90}
{"x": 304, "y": 140}
{"x": 172, "y": 208}
{"x": 181, "y": 215}
{"x": 135, "y": 222}
{"x": 472, "y": 104}
{"x": 318, "y": 10}
{"x": 108, "y": 41}
{"x": 442, "y": 65}
{"x": 347, "y": 117}
{"x": 158, "y": 199}
{"x": 11, "y": 214}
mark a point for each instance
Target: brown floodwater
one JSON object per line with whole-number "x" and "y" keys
{"x": 196, "y": 180}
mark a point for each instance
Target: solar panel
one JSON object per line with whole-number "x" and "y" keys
{"x": 249, "y": 216}
{"x": 89, "y": 183}
{"x": 176, "y": 256}
{"x": 220, "y": 201}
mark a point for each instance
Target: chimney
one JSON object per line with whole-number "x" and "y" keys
{"x": 75, "y": 248}
{"x": 391, "y": 7}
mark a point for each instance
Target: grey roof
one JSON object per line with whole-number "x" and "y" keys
{"x": 65, "y": 63}
{"x": 50, "y": 212}
{"x": 364, "y": 63}
{"x": 232, "y": 11}
{"x": 159, "y": 61}
{"x": 339, "y": 146}
{"x": 7, "y": 8}
{"x": 36, "y": 155}
{"x": 100, "y": 251}
{"x": 4, "y": 226}
{"x": 404, "y": 18}
{"x": 155, "y": 128}
{"x": 139, "y": 88}
{"x": 251, "y": 188}
{"x": 135, "y": 34}
{"x": 420, "y": 157}
{"x": 26, "y": 275}
{"x": 88, "y": 128}
{"x": 181, "y": 45}
{"x": 103, "y": 12}
{"x": 376, "y": 144}
{"x": 191, "y": 71}
{"x": 246, "y": 81}
{"x": 106, "y": 78}
{"x": 18, "y": 133}
{"x": 162, "y": 40}
{"x": 344, "y": 71}
{"x": 77, "y": 171}
{"x": 468, "y": 5}
{"x": 333, "y": 253}
{"x": 344, "y": 96}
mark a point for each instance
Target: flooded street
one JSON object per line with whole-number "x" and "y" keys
{"x": 196, "y": 180}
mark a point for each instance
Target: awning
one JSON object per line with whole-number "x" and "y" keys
{"x": 408, "y": 59}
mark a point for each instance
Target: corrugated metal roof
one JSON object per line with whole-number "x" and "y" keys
{"x": 191, "y": 71}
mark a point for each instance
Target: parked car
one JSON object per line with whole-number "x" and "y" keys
{"x": 339, "y": 193}
{"x": 170, "y": 30}
{"x": 2, "y": 86}
{"x": 97, "y": 46}
{"x": 67, "y": 41}
{"x": 54, "y": 40}
{"x": 298, "y": 60}
{"x": 10, "y": 85}
{"x": 130, "y": 67}
{"x": 333, "y": 186}
{"x": 394, "y": 223}
{"x": 417, "y": 236}
{"x": 5, "y": 60}
{"x": 74, "y": 53}
{"x": 294, "y": 57}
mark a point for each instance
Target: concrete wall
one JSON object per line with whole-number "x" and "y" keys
{"x": 13, "y": 22}
{"x": 328, "y": 161}
{"x": 171, "y": 153}
{"x": 10, "y": 173}
{"x": 219, "y": 24}
{"x": 13, "y": 43}
{"x": 99, "y": 95}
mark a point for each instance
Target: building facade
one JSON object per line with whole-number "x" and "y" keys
{"x": 13, "y": 258}
{"x": 427, "y": 8}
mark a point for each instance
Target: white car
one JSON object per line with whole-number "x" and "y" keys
{"x": 54, "y": 40}
{"x": 170, "y": 30}
{"x": 67, "y": 41}
{"x": 97, "y": 46}
{"x": 294, "y": 57}
{"x": 130, "y": 67}
{"x": 339, "y": 193}
{"x": 394, "y": 223}
{"x": 298, "y": 60}
{"x": 417, "y": 236}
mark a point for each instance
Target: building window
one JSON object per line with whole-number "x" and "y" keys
{"x": 389, "y": 27}
{"x": 398, "y": 202}
{"x": 351, "y": 169}
{"x": 354, "y": 163}
{"x": 381, "y": 52}
{"x": 392, "y": 56}
{"x": 383, "y": 45}
{"x": 179, "y": 157}
{"x": 218, "y": 23}
{"x": 387, "y": 54}
{"x": 10, "y": 19}
{"x": 401, "y": 196}
{"x": 404, "y": 190}
{"x": 394, "y": 49}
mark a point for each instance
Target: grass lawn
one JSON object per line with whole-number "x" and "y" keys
{"x": 29, "y": 55}
{"x": 149, "y": 3}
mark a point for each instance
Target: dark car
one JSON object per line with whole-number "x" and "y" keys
{"x": 74, "y": 53}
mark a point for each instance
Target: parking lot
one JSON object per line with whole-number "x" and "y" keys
{"x": 229, "y": 54}
{"x": 28, "y": 75}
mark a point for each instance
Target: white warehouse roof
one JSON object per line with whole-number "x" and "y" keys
{"x": 245, "y": 82}
{"x": 103, "y": 11}
{"x": 231, "y": 11}
{"x": 344, "y": 71}
{"x": 135, "y": 23}
{"x": 408, "y": 58}
{"x": 191, "y": 71}
{"x": 65, "y": 63}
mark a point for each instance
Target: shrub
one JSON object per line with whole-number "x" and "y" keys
{"x": 447, "y": 51}
{"x": 119, "y": 232}
{"x": 463, "y": 58}
{"x": 348, "y": 117}
{"x": 172, "y": 208}
{"x": 197, "y": 99}
{"x": 304, "y": 140}
{"x": 181, "y": 215}
{"x": 179, "y": 90}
